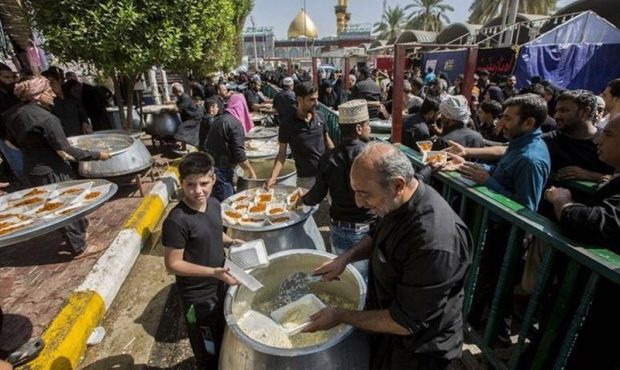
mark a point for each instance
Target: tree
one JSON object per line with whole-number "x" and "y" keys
{"x": 124, "y": 38}
{"x": 392, "y": 23}
{"x": 244, "y": 7}
{"x": 428, "y": 15}
{"x": 483, "y": 11}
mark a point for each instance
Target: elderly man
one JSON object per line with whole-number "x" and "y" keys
{"x": 454, "y": 115}
{"x": 348, "y": 222}
{"x": 307, "y": 134}
{"x": 284, "y": 102}
{"x": 419, "y": 253}
{"x": 185, "y": 105}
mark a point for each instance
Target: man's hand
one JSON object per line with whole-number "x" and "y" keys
{"x": 325, "y": 319}
{"x": 474, "y": 172}
{"x": 456, "y": 148}
{"x": 2, "y": 186}
{"x": 577, "y": 173}
{"x": 104, "y": 156}
{"x": 270, "y": 183}
{"x": 454, "y": 162}
{"x": 332, "y": 269}
{"x": 86, "y": 128}
{"x": 221, "y": 273}
{"x": 236, "y": 242}
{"x": 555, "y": 195}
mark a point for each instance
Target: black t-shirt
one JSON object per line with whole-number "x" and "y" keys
{"x": 421, "y": 252}
{"x": 459, "y": 134}
{"x": 307, "y": 142}
{"x": 565, "y": 151}
{"x": 414, "y": 129}
{"x": 285, "y": 104}
{"x": 225, "y": 142}
{"x": 252, "y": 98}
{"x": 71, "y": 114}
{"x": 334, "y": 177}
{"x": 200, "y": 236}
{"x": 548, "y": 124}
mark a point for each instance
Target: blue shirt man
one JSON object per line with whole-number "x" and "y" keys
{"x": 523, "y": 170}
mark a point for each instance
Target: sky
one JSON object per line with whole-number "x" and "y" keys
{"x": 279, "y": 13}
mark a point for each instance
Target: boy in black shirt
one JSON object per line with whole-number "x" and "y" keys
{"x": 194, "y": 243}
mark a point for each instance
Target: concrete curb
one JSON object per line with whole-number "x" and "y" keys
{"x": 65, "y": 338}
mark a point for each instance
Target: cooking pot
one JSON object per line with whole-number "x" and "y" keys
{"x": 133, "y": 133}
{"x": 128, "y": 155}
{"x": 262, "y": 168}
{"x": 160, "y": 121}
{"x": 345, "y": 349}
{"x": 115, "y": 117}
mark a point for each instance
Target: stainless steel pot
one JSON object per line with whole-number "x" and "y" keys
{"x": 347, "y": 349}
{"x": 160, "y": 121}
{"x": 115, "y": 118}
{"x": 263, "y": 167}
{"x": 303, "y": 234}
{"x": 129, "y": 155}
{"x": 133, "y": 133}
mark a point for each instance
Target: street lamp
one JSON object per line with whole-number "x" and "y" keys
{"x": 255, "y": 50}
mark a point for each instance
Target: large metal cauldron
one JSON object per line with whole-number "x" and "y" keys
{"x": 347, "y": 349}
{"x": 263, "y": 167}
{"x": 160, "y": 121}
{"x": 128, "y": 155}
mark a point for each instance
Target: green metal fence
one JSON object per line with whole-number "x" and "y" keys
{"x": 477, "y": 206}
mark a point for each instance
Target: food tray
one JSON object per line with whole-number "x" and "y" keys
{"x": 250, "y": 255}
{"x": 267, "y": 223}
{"x": 35, "y": 219}
{"x": 303, "y": 308}
{"x": 439, "y": 158}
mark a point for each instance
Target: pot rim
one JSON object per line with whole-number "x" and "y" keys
{"x": 287, "y": 352}
{"x": 74, "y": 140}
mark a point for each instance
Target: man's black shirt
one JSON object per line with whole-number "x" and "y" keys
{"x": 565, "y": 151}
{"x": 307, "y": 142}
{"x": 225, "y": 141}
{"x": 334, "y": 177}
{"x": 414, "y": 129}
{"x": 71, "y": 114}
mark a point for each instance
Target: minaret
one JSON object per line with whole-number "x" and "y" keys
{"x": 342, "y": 17}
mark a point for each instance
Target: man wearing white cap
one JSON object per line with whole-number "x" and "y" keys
{"x": 285, "y": 102}
{"x": 349, "y": 223}
{"x": 454, "y": 117}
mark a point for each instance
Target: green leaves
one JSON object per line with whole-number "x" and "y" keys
{"x": 130, "y": 36}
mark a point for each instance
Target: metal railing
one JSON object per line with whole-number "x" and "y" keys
{"x": 477, "y": 206}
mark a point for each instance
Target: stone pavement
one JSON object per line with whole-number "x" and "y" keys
{"x": 36, "y": 276}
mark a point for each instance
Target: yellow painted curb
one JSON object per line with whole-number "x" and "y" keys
{"x": 65, "y": 338}
{"x": 145, "y": 218}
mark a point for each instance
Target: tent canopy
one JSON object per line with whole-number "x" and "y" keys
{"x": 579, "y": 54}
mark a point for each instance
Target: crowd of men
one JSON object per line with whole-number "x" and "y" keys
{"x": 385, "y": 217}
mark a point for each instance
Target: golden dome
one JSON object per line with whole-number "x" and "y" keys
{"x": 297, "y": 27}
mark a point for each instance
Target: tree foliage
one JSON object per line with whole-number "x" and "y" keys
{"x": 127, "y": 37}
{"x": 428, "y": 15}
{"x": 392, "y": 23}
{"x": 483, "y": 11}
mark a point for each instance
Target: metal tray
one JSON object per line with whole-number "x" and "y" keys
{"x": 44, "y": 225}
{"x": 113, "y": 144}
{"x": 260, "y": 132}
{"x": 301, "y": 215}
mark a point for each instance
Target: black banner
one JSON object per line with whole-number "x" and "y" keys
{"x": 499, "y": 62}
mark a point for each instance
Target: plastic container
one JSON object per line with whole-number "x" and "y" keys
{"x": 252, "y": 254}
{"x": 244, "y": 278}
{"x": 299, "y": 311}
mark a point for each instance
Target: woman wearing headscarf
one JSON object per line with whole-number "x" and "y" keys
{"x": 38, "y": 133}
{"x": 225, "y": 143}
